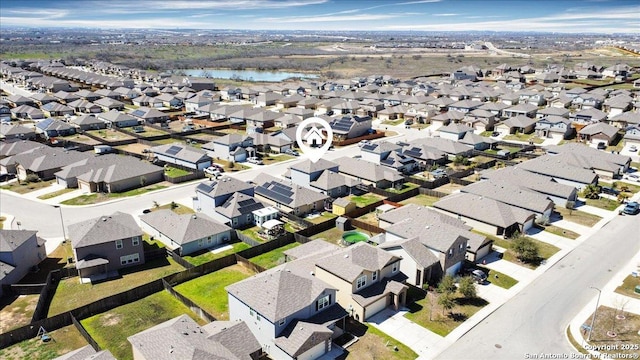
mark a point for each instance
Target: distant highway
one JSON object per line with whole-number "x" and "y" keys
{"x": 491, "y": 47}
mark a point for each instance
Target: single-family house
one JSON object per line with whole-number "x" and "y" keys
{"x": 228, "y": 200}
{"x": 449, "y": 147}
{"x": 632, "y": 135}
{"x": 446, "y": 118}
{"x": 598, "y": 132}
{"x": 478, "y": 142}
{"x": 518, "y": 124}
{"x": 196, "y": 102}
{"x": 14, "y": 132}
{"x": 350, "y": 127}
{"x": 182, "y": 155}
{"x": 186, "y": 233}
{"x": 588, "y": 116}
{"x": 554, "y": 127}
{"x": 20, "y": 252}
{"x": 307, "y": 171}
{"x": 604, "y": 164}
{"x": 51, "y": 128}
{"x": 106, "y": 244}
{"x": 232, "y": 147}
{"x": 115, "y": 118}
{"x": 625, "y": 119}
{"x": 287, "y": 196}
{"x": 454, "y": 131}
{"x": 183, "y": 338}
{"x": 82, "y": 106}
{"x": 42, "y": 161}
{"x": 528, "y": 110}
{"x": 479, "y": 120}
{"x": 511, "y": 194}
{"x": 26, "y": 112}
{"x": 150, "y": 115}
{"x": 561, "y": 171}
{"x": 108, "y": 104}
{"x": 87, "y": 122}
{"x": 53, "y": 108}
{"x": 369, "y": 173}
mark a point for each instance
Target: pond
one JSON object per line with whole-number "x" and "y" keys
{"x": 247, "y": 75}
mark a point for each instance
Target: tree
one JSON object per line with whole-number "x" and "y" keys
{"x": 143, "y": 181}
{"x": 173, "y": 205}
{"x": 156, "y": 205}
{"x": 571, "y": 205}
{"x": 591, "y": 191}
{"x": 232, "y": 164}
{"x": 446, "y": 301}
{"x": 526, "y": 250}
{"x": 467, "y": 287}
{"x": 447, "y": 285}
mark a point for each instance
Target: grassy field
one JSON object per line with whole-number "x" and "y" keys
{"x": 55, "y": 193}
{"x": 16, "y": 311}
{"x": 364, "y": 200}
{"x": 628, "y": 287}
{"x": 98, "y": 198}
{"x": 273, "y": 258}
{"x": 71, "y": 294}
{"x": 577, "y": 216}
{"x": 545, "y": 250}
{"x": 426, "y": 312}
{"x": 26, "y": 187}
{"x": 208, "y": 291}
{"x": 66, "y": 339}
{"x": 206, "y": 256}
{"x": 625, "y": 329}
{"x": 375, "y": 344}
{"x": 422, "y": 200}
{"x": 111, "y": 329}
{"x": 556, "y": 230}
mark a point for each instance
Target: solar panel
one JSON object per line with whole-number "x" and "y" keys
{"x": 173, "y": 150}
{"x": 138, "y": 113}
{"x": 369, "y": 147}
{"x": 273, "y": 195}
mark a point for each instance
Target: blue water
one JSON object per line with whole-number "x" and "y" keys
{"x": 248, "y": 75}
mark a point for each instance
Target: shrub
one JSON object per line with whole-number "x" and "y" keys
{"x": 467, "y": 287}
{"x": 446, "y": 301}
{"x": 526, "y": 250}
{"x": 232, "y": 165}
{"x": 447, "y": 285}
{"x": 33, "y": 178}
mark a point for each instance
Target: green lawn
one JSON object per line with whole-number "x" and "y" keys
{"x": 603, "y": 203}
{"x": 628, "y": 287}
{"x": 364, "y": 200}
{"x": 422, "y": 200}
{"x": 71, "y": 294}
{"x": 275, "y": 158}
{"x": 442, "y": 322}
{"x": 273, "y": 258}
{"x": 206, "y": 256}
{"x": 375, "y": 344}
{"x": 226, "y": 165}
{"x": 393, "y": 122}
{"x": 208, "y": 290}
{"x": 545, "y": 250}
{"x": 66, "y": 339}
{"x": 577, "y": 216}
{"x": 405, "y": 187}
{"x": 523, "y": 137}
{"x": 556, "y": 230}
{"x": 174, "y": 172}
{"x": 26, "y": 187}
{"x": 252, "y": 232}
{"x": 55, "y": 193}
{"x": 111, "y": 329}
{"x": 97, "y": 198}
{"x": 623, "y": 186}
{"x": 502, "y": 280}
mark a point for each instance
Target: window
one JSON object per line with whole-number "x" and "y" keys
{"x": 394, "y": 267}
{"x": 323, "y": 302}
{"x": 249, "y": 217}
{"x": 200, "y": 242}
{"x": 135, "y": 241}
{"x": 282, "y": 322}
{"x": 251, "y": 311}
{"x": 118, "y": 244}
{"x": 129, "y": 259}
{"x": 374, "y": 276}
{"x": 362, "y": 281}
{"x": 209, "y": 239}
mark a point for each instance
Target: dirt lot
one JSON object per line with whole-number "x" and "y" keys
{"x": 449, "y": 188}
{"x": 134, "y": 148}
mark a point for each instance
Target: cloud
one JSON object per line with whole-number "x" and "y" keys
{"x": 446, "y": 14}
{"x": 225, "y": 4}
{"x": 330, "y": 18}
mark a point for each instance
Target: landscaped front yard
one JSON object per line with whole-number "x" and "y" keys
{"x": 426, "y": 312}
{"x": 65, "y": 339}
{"x": 100, "y": 197}
{"x": 603, "y": 203}
{"x": 111, "y": 329}
{"x": 628, "y": 287}
{"x": 556, "y": 230}
{"x": 375, "y": 344}
{"x": 545, "y": 250}
{"x": 208, "y": 291}
{"x": 524, "y": 137}
{"x": 25, "y": 187}
{"x": 71, "y": 294}
{"x": 577, "y": 216}
{"x": 273, "y": 258}
{"x": 206, "y": 256}
{"x": 174, "y": 172}
{"x": 176, "y": 208}
{"x": 269, "y": 159}
{"x": 16, "y": 311}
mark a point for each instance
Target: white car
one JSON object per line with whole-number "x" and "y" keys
{"x": 633, "y": 148}
{"x": 254, "y": 160}
{"x": 212, "y": 171}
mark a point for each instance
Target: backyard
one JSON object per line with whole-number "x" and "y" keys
{"x": 209, "y": 254}
{"x": 273, "y": 258}
{"x": 425, "y": 311}
{"x": 102, "y": 197}
{"x": 577, "y": 216}
{"x": 110, "y": 135}
{"x": 111, "y": 329}
{"x": 174, "y": 172}
{"x": 364, "y": 200}
{"x": 16, "y": 311}
{"x": 422, "y": 200}
{"x": 71, "y": 294}
{"x": 322, "y": 217}
{"x": 65, "y": 339}
{"x": 208, "y": 290}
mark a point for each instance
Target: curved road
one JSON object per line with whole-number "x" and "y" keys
{"x": 535, "y": 320}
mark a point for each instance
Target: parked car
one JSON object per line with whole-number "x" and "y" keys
{"x": 292, "y": 152}
{"x": 633, "y": 177}
{"x": 633, "y": 148}
{"x": 495, "y": 133}
{"x": 254, "y": 160}
{"x": 217, "y": 167}
{"x": 7, "y": 177}
{"x": 602, "y": 145}
{"x": 631, "y": 208}
{"x": 213, "y": 171}
{"x": 609, "y": 190}
{"x": 477, "y": 275}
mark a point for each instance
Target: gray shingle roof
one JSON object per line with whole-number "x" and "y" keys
{"x": 381, "y": 147}
{"x": 355, "y": 259}
{"x": 308, "y": 166}
{"x": 415, "y": 249}
{"x": 483, "y": 209}
{"x": 445, "y": 145}
{"x": 234, "y": 336}
{"x": 330, "y": 180}
{"x": 107, "y": 168}
{"x": 47, "y": 158}
{"x": 238, "y": 204}
{"x": 103, "y": 229}
{"x": 182, "y": 152}
{"x": 422, "y": 214}
{"x": 13, "y": 239}
{"x": 593, "y": 129}
{"x": 555, "y": 167}
{"x": 87, "y": 353}
{"x": 367, "y": 170}
{"x": 223, "y": 186}
{"x": 540, "y": 183}
{"x": 511, "y": 194}
{"x": 301, "y": 336}
{"x": 284, "y": 192}
{"x": 185, "y": 228}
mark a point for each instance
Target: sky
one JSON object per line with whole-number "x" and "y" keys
{"x": 573, "y": 16}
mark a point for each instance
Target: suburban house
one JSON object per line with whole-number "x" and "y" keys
{"x": 52, "y": 109}
{"x": 561, "y": 194}
{"x": 350, "y": 127}
{"x": 369, "y": 173}
{"x": 598, "y": 132}
{"x": 149, "y": 115}
{"x": 554, "y": 127}
{"x": 258, "y": 122}
{"x": 115, "y": 118}
{"x": 287, "y": 196}
{"x": 183, "y": 338}
{"x": 82, "y": 106}
{"x": 105, "y": 244}
{"x": 87, "y": 122}
{"x": 109, "y": 173}
{"x": 603, "y": 163}
{"x": 323, "y": 177}
{"x": 517, "y": 124}
{"x": 454, "y": 131}
{"x": 449, "y": 147}
{"x": 477, "y": 142}
{"x": 553, "y": 111}
{"x": 528, "y": 110}
{"x": 42, "y": 161}
{"x": 27, "y": 112}
{"x": 15, "y": 132}
{"x": 272, "y": 142}
{"x": 588, "y": 116}
{"x": 511, "y": 194}
{"x": 232, "y": 147}
{"x": 108, "y": 104}
{"x": 227, "y": 200}
{"x": 479, "y": 120}
{"x": 446, "y": 118}
{"x": 51, "y": 128}
{"x": 632, "y": 135}
{"x": 625, "y": 119}
{"x": 485, "y": 214}
{"x": 194, "y": 103}
{"x": 187, "y": 233}
{"x": 20, "y": 252}
{"x": 182, "y": 155}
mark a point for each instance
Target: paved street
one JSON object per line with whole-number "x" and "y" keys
{"x": 534, "y": 321}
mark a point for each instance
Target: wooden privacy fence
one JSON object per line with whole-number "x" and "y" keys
{"x": 188, "y": 303}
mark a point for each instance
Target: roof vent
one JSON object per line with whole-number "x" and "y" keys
{"x": 194, "y": 216}
{"x": 104, "y": 219}
{"x": 346, "y": 256}
{"x": 312, "y": 273}
{"x": 426, "y": 227}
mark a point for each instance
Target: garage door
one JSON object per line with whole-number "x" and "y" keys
{"x": 527, "y": 225}
{"x": 376, "y": 307}
{"x": 61, "y": 182}
{"x": 84, "y": 186}
{"x": 482, "y": 252}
